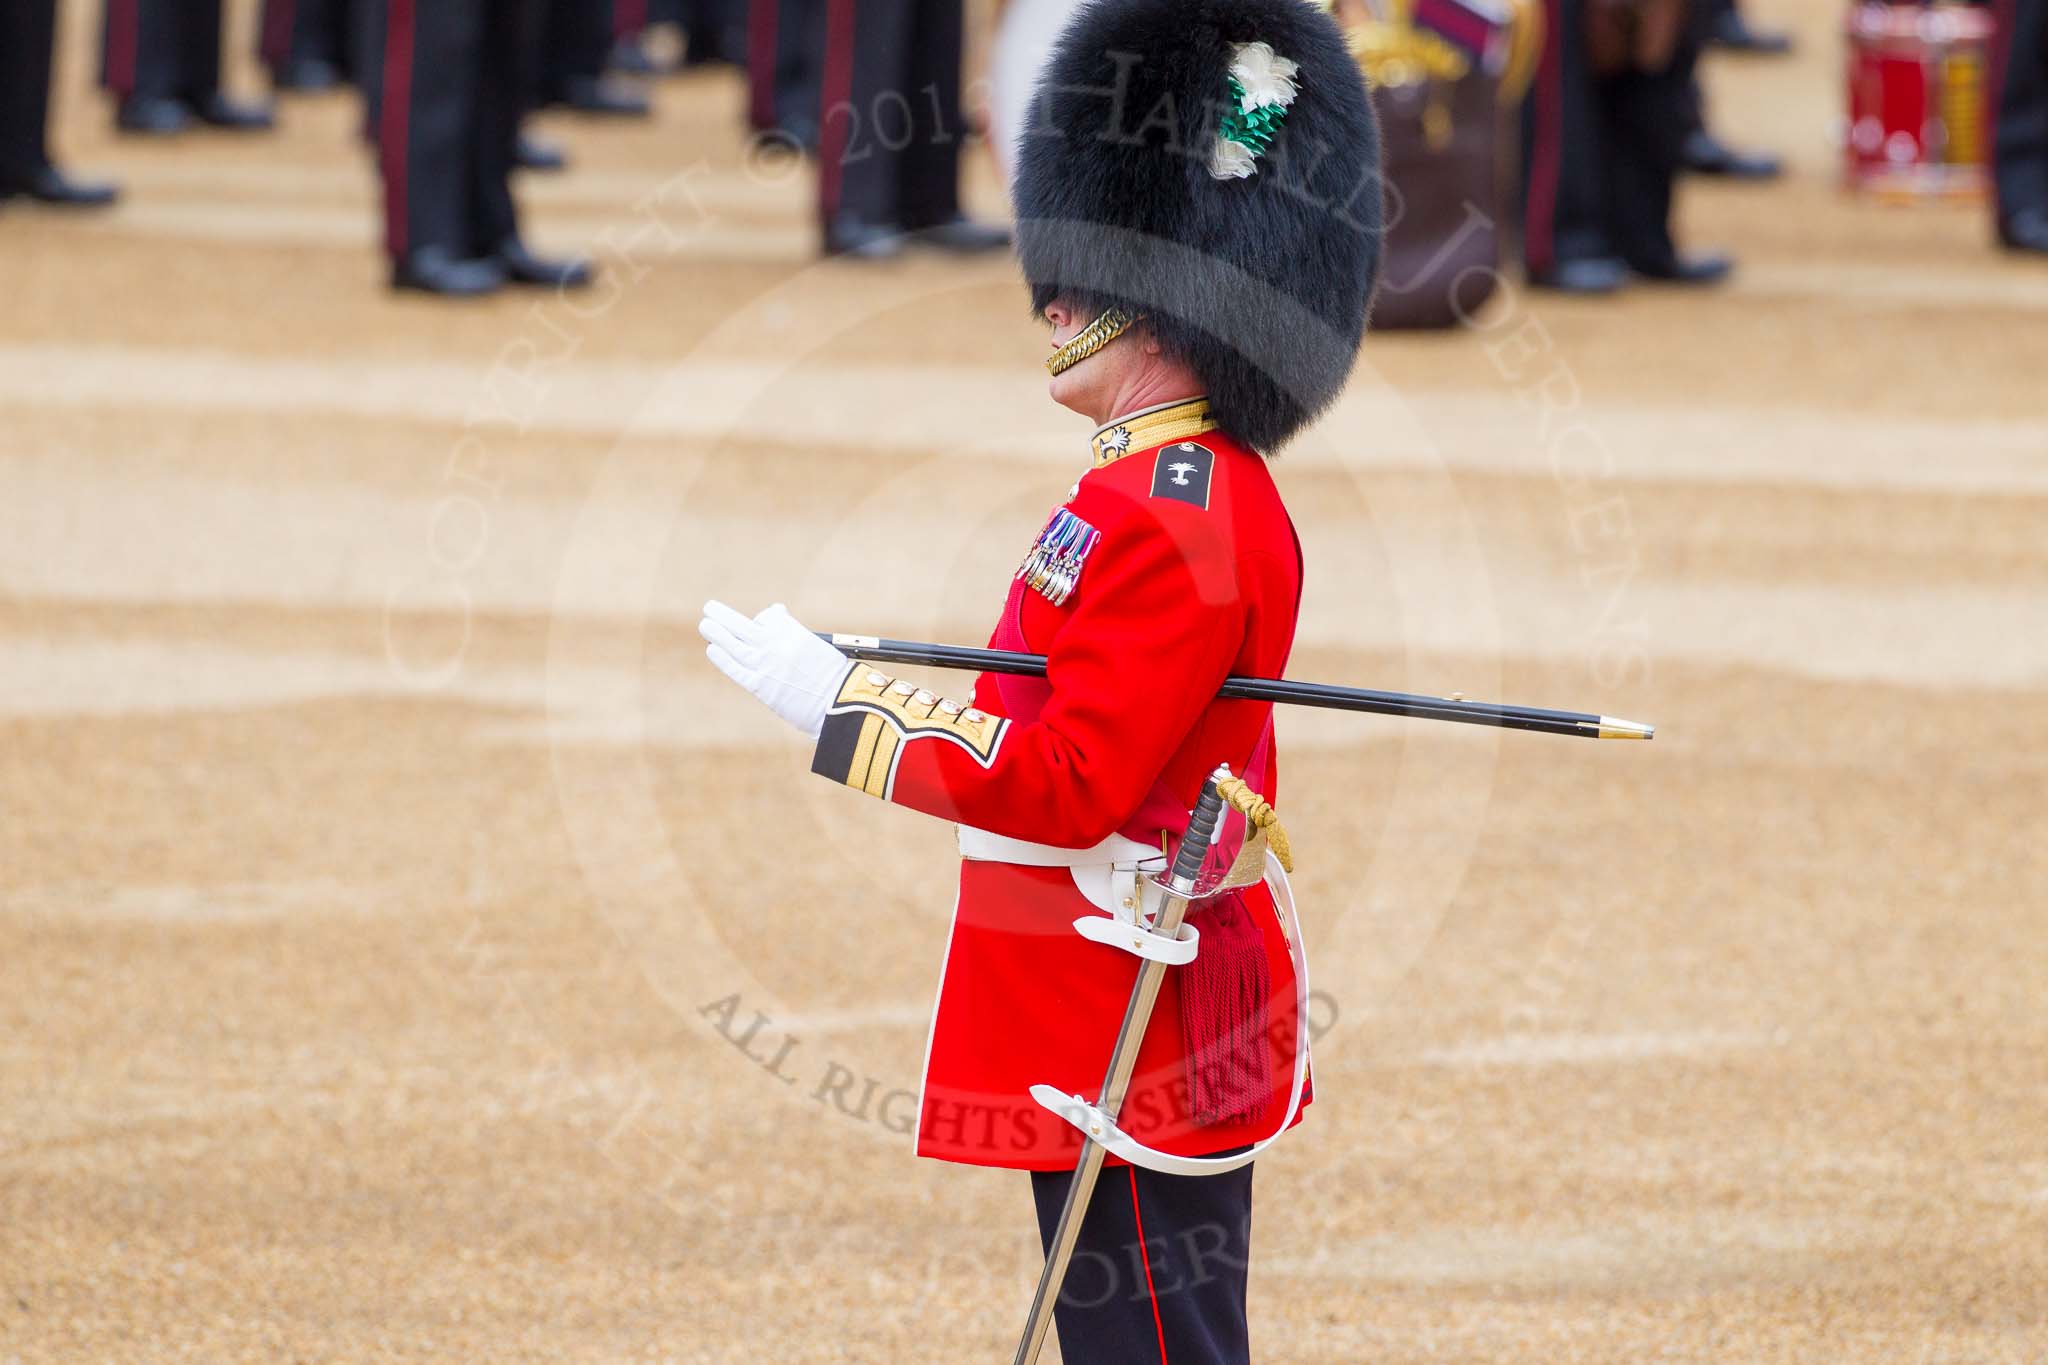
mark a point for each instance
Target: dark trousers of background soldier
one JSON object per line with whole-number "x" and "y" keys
{"x": 785, "y": 64}
{"x": 445, "y": 86}
{"x": 1600, "y": 158}
{"x": 162, "y": 58}
{"x": 305, "y": 43}
{"x": 714, "y": 31}
{"x": 28, "y": 38}
{"x": 891, "y": 129}
{"x": 582, "y": 43}
{"x": 573, "y": 51}
{"x": 2020, "y": 122}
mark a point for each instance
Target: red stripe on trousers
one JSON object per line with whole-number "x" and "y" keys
{"x": 279, "y": 18}
{"x": 1145, "y": 1255}
{"x": 762, "y": 21}
{"x": 394, "y": 129}
{"x": 834, "y": 91}
{"x": 123, "y": 20}
{"x": 1546, "y": 150}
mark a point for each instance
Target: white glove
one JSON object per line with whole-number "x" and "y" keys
{"x": 793, "y": 673}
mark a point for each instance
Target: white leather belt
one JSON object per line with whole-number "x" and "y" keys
{"x": 1106, "y": 874}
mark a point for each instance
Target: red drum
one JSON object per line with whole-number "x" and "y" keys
{"x": 1919, "y": 122}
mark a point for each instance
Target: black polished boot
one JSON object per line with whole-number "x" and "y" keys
{"x": 2025, "y": 230}
{"x": 437, "y": 270}
{"x": 523, "y": 267}
{"x": 1584, "y": 275}
{"x": 152, "y": 116}
{"x": 1705, "y": 154}
{"x": 51, "y": 186}
{"x": 538, "y": 154}
{"x": 855, "y": 237}
{"x": 235, "y": 116}
{"x": 1707, "y": 268}
{"x": 963, "y": 236}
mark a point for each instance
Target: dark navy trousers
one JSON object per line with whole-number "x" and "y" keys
{"x": 1159, "y": 1272}
{"x": 2019, "y": 74}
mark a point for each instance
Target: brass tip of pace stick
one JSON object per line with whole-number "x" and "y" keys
{"x": 1613, "y": 727}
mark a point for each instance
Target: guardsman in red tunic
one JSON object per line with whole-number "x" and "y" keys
{"x": 1198, "y": 207}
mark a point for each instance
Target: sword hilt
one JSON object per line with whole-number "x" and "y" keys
{"x": 1203, "y": 827}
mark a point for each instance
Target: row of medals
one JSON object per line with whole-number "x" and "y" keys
{"x": 1054, "y": 564}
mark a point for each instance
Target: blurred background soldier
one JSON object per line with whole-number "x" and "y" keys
{"x": 891, "y": 130}
{"x": 1603, "y": 141}
{"x": 305, "y": 43}
{"x": 162, "y": 60}
{"x": 28, "y": 35}
{"x": 444, "y": 104}
{"x": 714, "y": 31}
{"x": 574, "y": 48}
{"x": 2020, "y": 141}
{"x": 784, "y": 57}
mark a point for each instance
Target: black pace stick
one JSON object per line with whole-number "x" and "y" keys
{"x": 1582, "y": 724}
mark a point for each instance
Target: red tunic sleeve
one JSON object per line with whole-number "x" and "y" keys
{"x": 1156, "y": 622}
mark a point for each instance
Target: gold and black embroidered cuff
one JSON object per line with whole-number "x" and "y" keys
{"x": 875, "y": 715}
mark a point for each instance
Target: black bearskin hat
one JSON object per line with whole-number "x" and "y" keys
{"x": 1254, "y": 262}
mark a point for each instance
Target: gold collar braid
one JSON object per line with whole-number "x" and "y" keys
{"x": 1107, "y": 327}
{"x": 1153, "y": 427}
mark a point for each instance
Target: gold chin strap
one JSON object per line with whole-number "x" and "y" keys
{"x": 1107, "y": 327}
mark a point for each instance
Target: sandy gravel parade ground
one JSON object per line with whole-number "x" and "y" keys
{"x": 411, "y": 949}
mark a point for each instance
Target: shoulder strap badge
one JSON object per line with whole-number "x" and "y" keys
{"x": 1181, "y": 471}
